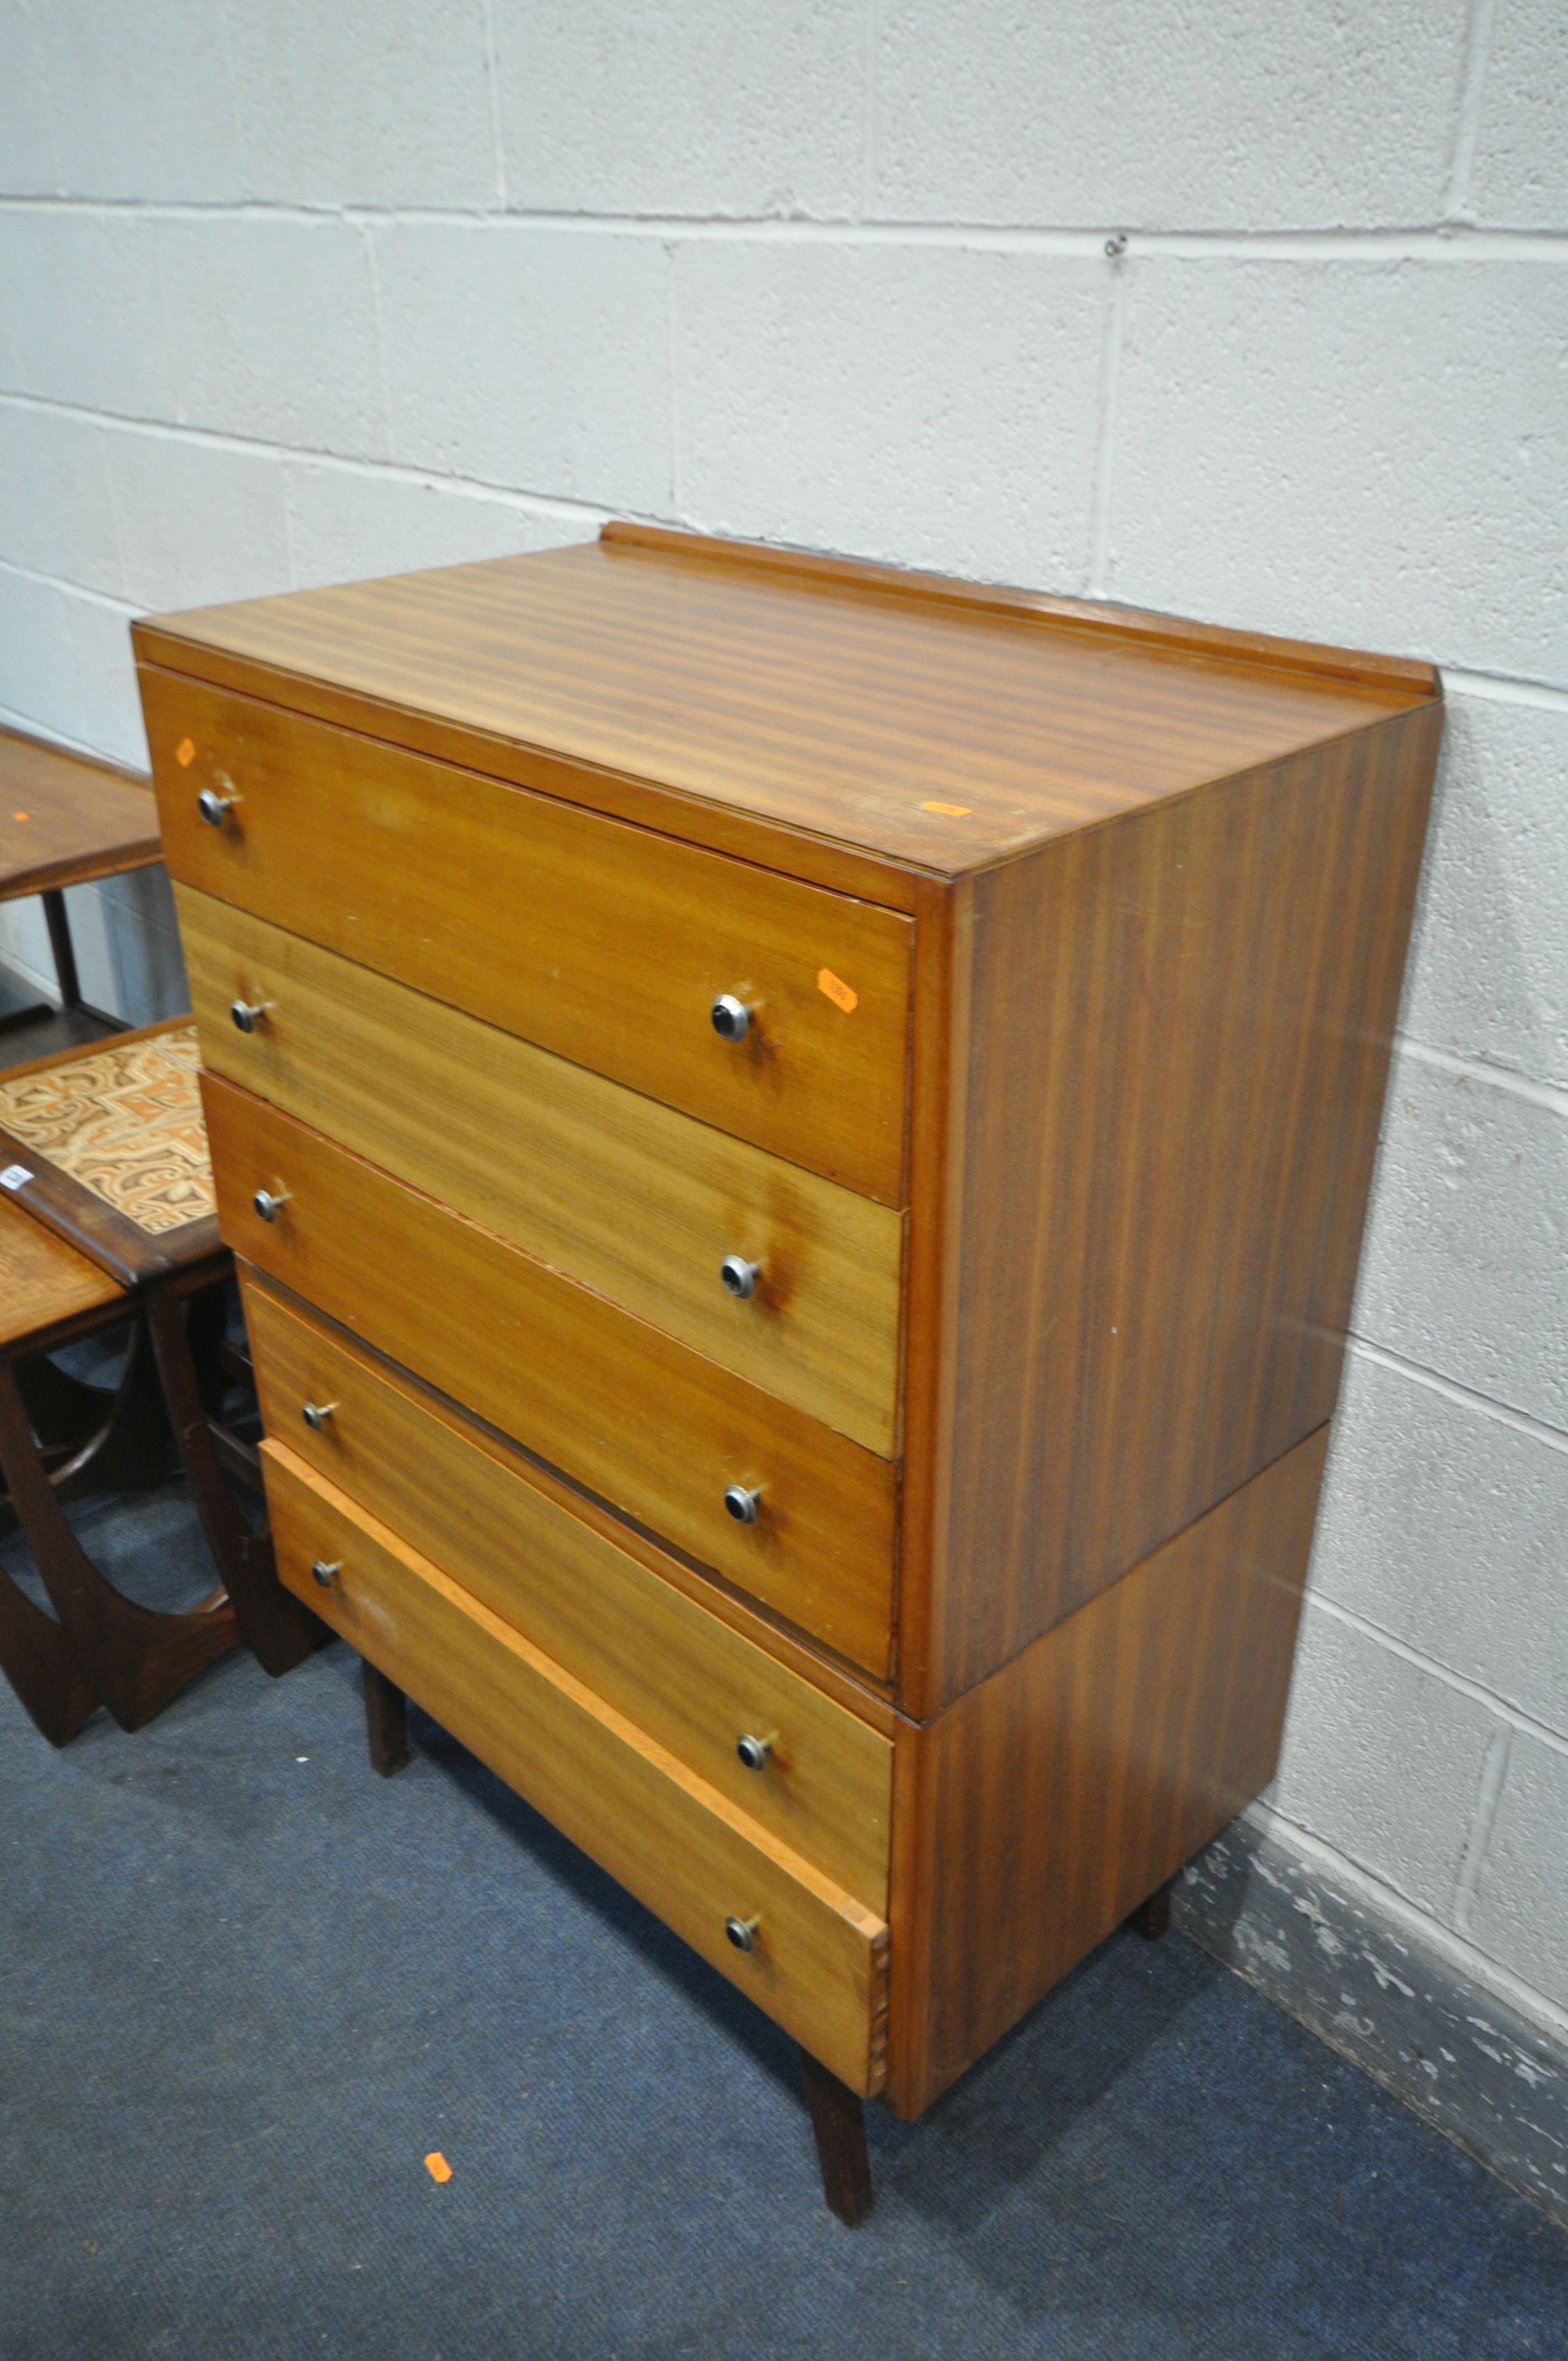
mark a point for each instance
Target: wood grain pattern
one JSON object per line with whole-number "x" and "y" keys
{"x": 42, "y": 1280}
{"x": 557, "y": 1576}
{"x": 632, "y": 1198}
{"x": 819, "y": 1961}
{"x": 1038, "y": 1810}
{"x": 604, "y": 943}
{"x": 64, "y": 820}
{"x": 839, "y": 710}
{"x": 1178, "y": 1031}
{"x": 640, "y": 1420}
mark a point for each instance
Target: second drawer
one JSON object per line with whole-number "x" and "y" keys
{"x": 551, "y": 1568}
{"x": 657, "y": 1429}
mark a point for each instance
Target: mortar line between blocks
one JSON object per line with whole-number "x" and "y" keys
{"x": 1475, "y": 1069}
{"x": 1489, "y": 1793}
{"x": 1439, "y": 241}
{"x": 492, "y": 87}
{"x": 1468, "y": 113}
{"x": 1553, "y": 1739}
{"x": 1105, "y": 441}
{"x": 1463, "y": 1396}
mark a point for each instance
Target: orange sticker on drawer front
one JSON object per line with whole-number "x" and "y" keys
{"x": 841, "y": 994}
{"x": 953, "y": 811}
{"x": 185, "y": 754}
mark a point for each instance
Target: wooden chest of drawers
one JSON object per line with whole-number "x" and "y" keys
{"x": 798, "y": 1139}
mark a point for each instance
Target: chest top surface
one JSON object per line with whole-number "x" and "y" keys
{"x": 933, "y": 724}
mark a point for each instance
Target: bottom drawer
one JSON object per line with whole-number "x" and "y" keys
{"x": 818, "y": 1958}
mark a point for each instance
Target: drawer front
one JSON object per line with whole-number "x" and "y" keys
{"x": 555, "y": 1571}
{"x": 818, "y": 1961}
{"x": 604, "y": 942}
{"x": 636, "y": 1200}
{"x": 657, "y": 1429}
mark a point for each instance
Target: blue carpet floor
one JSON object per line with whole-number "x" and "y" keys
{"x": 246, "y": 1987}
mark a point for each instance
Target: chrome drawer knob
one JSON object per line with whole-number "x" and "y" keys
{"x": 739, "y": 1277}
{"x": 326, "y": 1570}
{"x": 316, "y": 1414}
{"x": 248, "y": 1014}
{"x": 742, "y": 1933}
{"x": 731, "y": 1018}
{"x": 216, "y": 808}
{"x": 269, "y": 1202}
{"x": 741, "y": 1504}
{"x": 754, "y": 1751}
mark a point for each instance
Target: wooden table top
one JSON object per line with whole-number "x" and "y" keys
{"x": 931, "y": 723}
{"x": 64, "y": 820}
{"x": 42, "y": 1280}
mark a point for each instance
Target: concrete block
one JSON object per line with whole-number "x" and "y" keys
{"x": 1519, "y": 174}
{"x": 1519, "y": 1914}
{"x": 1465, "y": 1265}
{"x": 717, "y": 106}
{"x": 1488, "y": 975}
{"x": 82, "y": 320}
{"x": 28, "y": 166}
{"x": 142, "y": 940}
{"x": 57, "y": 515}
{"x": 1154, "y": 114}
{"x": 273, "y": 330}
{"x": 141, "y": 100}
{"x": 38, "y": 680}
{"x": 199, "y": 524}
{"x": 533, "y": 360}
{"x": 932, "y": 407}
{"x": 106, "y": 714}
{"x": 346, "y": 524}
{"x": 367, "y": 101}
{"x": 1450, "y": 1530}
{"x": 1375, "y": 453}
{"x": 1382, "y": 1760}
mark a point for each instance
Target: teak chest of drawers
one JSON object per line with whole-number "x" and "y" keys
{"x": 798, "y": 1139}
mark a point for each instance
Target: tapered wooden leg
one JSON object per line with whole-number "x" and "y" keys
{"x": 135, "y": 1660}
{"x": 386, "y": 1721}
{"x": 277, "y": 1626}
{"x": 838, "y": 2120}
{"x": 1151, "y": 1919}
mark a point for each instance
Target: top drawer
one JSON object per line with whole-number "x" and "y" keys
{"x": 604, "y": 942}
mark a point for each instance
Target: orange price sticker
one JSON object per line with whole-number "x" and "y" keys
{"x": 841, "y": 993}
{"x": 21, "y": 815}
{"x": 952, "y": 812}
{"x": 435, "y": 2163}
{"x": 185, "y": 754}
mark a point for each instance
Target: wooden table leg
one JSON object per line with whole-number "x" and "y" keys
{"x": 43, "y": 1667}
{"x": 127, "y": 1449}
{"x": 135, "y": 1660}
{"x": 386, "y": 1721}
{"x": 838, "y": 2120}
{"x": 280, "y": 1630}
{"x": 1151, "y": 1919}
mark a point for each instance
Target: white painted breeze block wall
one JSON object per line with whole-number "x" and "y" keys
{"x": 1257, "y": 313}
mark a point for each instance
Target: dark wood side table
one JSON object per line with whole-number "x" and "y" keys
{"x": 107, "y": 1148}
{"x": 64, "y": 821}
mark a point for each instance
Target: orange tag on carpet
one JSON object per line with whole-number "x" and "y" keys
{"x": 435, "y": 2163}
{"x": 185, "y": 754}
{"x": 841, "y": 994}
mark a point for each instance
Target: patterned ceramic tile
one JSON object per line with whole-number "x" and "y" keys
{"x": 126, "y": 1123}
